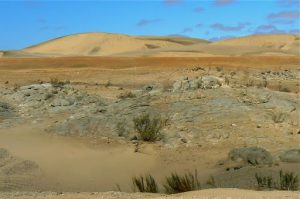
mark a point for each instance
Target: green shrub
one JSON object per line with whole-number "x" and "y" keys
{"x": 177, "y": 184}
{"x": 145, "y": 184}
{"x": 148, "y": 128}
{"x": 288, "y": 181}
{"x": 264, "y": 181}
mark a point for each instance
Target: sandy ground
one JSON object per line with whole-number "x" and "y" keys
{"x": 203, "y": 194}
{"x": 129, "y": 71}
{"x": 86, "y": 164}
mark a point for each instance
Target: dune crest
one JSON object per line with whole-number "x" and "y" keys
{"x": 108, "y": 44}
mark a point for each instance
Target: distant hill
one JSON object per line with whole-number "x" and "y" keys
{"x": 107, "y": 44}
{"x": 285, "y": 43}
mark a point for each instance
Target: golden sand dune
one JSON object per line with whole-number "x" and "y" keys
{"x": 280, "y": 42}
{"x": 106, "y": 44}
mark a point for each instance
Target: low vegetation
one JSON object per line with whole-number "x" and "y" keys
{"x": 177, "y": 184}
{"x": 278, "y": 117}
{"x": 145, "y": 184}
{"x": 264, "y": 181}
{"x": 125, "y": 95}
{"x": 56, "y": 83}
{"x": 212, "y": 182}
{"x": 148, "y": 127}
{"x": 287, "y": 181}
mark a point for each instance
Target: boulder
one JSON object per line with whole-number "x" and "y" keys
{"x": 292, "y": 155}
{"x": 251, "y": 155}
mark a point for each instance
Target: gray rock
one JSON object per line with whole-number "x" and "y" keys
{"x": 205, "y": 82}
{"x": 251, "y": 155}
{"x": 210, "y": 82}
{"x": 292, "y": 155}
{"x": 195, "y": 84}
{"x": 6, "y": 110}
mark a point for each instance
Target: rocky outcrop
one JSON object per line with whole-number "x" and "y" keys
{"x": 205, "y": 82}
{"x": 292, "y": 155}
{"x": 251, "y": 155}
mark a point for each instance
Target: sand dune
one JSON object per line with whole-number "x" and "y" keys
{"x": 281, "y": 42}
{"x": 106, "y": 44}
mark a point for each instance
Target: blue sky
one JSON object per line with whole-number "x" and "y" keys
{"x": 27, "y": 22}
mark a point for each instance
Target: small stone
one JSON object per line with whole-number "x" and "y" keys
{"x": 258, "y": 126}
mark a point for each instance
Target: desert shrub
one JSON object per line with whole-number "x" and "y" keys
{"x": 107, "y": 84}
{"x": 148, "y": 128}
{"x": 121, "y": 129}
{"x": 145, "y": 184}
{"x": 177, "y": 184}
{"x": 219, "y": 68}
{"x": 278, "y": 117}
{"x": 56, "y": 83}
{"x": 118, "y": 187}
{"x": 127, "y": 94}
{"x": 264, "y": 181}
{"x": 211, "y": 182}
{"x": 288, "y": 180}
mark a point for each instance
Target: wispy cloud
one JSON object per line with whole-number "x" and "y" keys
{"x": 222, "y": 27}
{"x": 285, "y": 17}
{"x": 52, "y": 28}
{"x": 33, "y": 4}
{"x": 45, "y": 26}
{"x": 199, "y": 25}
{"x": 223, "y": 2}
{"x": 221, "y": 38}
{"x": 146, "y": 22}
{"x": 268, "y": 29}
{"x": 186, "y": 30}
{"x": 177, "y": 35}
{"x": 289, "y": 3}
{"x": 198, "y": 9}
{"x": 295, "y": 31}
{"x": 171, "y": 2}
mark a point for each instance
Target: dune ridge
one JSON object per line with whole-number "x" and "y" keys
{"x": 109, "y": 44}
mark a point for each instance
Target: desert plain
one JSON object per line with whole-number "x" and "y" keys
{"x": 228, "y": 109}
